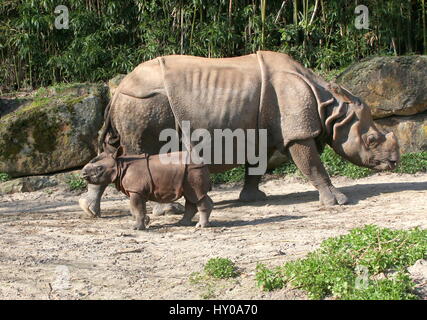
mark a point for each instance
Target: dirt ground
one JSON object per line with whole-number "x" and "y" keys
{"x": 49, "y": 251}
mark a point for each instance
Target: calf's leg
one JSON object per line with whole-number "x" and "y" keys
{"x": 190, "y": 211}
{"x": 139, "y": 211}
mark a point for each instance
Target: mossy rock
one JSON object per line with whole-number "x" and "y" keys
{"x": 115, "y": 82}
{"x": 55, "y": 130}
{"x": 411, "y": 132}
{"x": 389, "y": 85}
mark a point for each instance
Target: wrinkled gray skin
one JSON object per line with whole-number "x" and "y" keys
{"x": 139, "y": 122}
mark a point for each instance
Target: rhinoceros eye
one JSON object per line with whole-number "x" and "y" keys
{"x": 371, "y": 140}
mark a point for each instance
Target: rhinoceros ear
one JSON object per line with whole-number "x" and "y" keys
{"x": 119, "y": 152}
{"x": 339, "y": 92}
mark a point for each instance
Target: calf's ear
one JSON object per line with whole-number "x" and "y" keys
{"x": 119, "y": 152}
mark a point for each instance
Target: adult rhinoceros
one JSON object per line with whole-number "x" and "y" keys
{"x": 300, "y": 111}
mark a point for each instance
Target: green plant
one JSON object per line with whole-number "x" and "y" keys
{"x": 337, "y": 166}
{"x": 333, "y": 268}
{"x": 4, "y": 177}
{"x": 413, "y": 162}
{"x": 287, "y": 168}
{"x": 109, "y": 37}
{"x": 268, "y": 279}
{"x": 217, "y": 276}
{"x": 233, "y": 175}
{"x": 76, "y": 182}
{"x": 221, "y": 268}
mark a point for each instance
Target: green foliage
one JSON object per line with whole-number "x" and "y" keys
{"x": 217, "y": 276}
{"x": 221, "y": 268}
{"x": 413, "y": 163}
{"x": 4, "y": 177}
{"x": 337, "y": 166}
{"x": 109, "y": 37}
{"x": 233, "y": 175}
{"x": 334, "y": 268}
{"x": 287, "y": 168}
{"x": 76, "y": 182}
{"x": 334, "y": 164}
{"x": 268, "y": 279}
{"x": 399, "y": 287}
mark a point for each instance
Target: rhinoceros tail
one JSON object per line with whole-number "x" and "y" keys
{"x": 111, "y": 142}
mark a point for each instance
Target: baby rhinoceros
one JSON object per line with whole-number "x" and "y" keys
{"x": 144, "y": 177}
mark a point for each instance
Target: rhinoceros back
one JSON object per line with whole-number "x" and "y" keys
{"x": 213, "y": 93}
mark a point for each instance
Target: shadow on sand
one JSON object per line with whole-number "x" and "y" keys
{"x": 355, "y": 193}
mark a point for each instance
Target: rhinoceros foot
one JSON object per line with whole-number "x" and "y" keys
{"x": 332, "y": 197}
{"x": 252, "y": 195}
{"x": 203, "y": 224}
{"x": 91, "y": 208}
{"x": 142, "y": 225}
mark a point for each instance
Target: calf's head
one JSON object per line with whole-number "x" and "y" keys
{"x": 355, "y": 137}
{"x": 102, "y": 170}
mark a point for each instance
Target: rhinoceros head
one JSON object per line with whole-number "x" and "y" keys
{"x": 102, "y": 170}
{"x": 354, "y": 135}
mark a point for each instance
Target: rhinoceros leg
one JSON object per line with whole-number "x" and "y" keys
{"x": 307, "y": 159}
{"x": 250, "y": 191}
{"x": 90, "y": 202}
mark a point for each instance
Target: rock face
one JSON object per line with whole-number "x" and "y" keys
{"x": 114, "y": 83}
{"x": 411, "y": 132}
{"x": 395, "y": 88}
{"x": 389, "y": 85}
{"x": 55, "y": 129}
{"x": 26, "y": 184}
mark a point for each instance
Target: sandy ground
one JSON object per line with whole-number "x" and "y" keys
{"x": 49, "y": 251}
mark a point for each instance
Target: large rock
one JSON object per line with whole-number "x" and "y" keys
{"x": 26, "y": 184}
{"x": 114, "y": 83}
{"x": 55, "y": 129}
{"x": 389, "y": 85}
{"x": 411, "y": 131}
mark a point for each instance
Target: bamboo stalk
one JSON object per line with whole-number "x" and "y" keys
{"x": 192, "y": 25}
{"x": 423, "y": 12}
{"x": 295, "y": 12}
{"x": 280, "y": 11}
{"x": 263, "y": 11}
{"x": 316, "y": 5}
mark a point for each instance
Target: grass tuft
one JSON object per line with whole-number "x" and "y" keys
{"x": 4, "y": 177}
{"x": 221, "y": 268}
{"x": 369, "y": 263}
{"x": 76, "y": 182}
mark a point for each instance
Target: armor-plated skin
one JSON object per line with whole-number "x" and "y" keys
{"x": 143, "y": 177}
